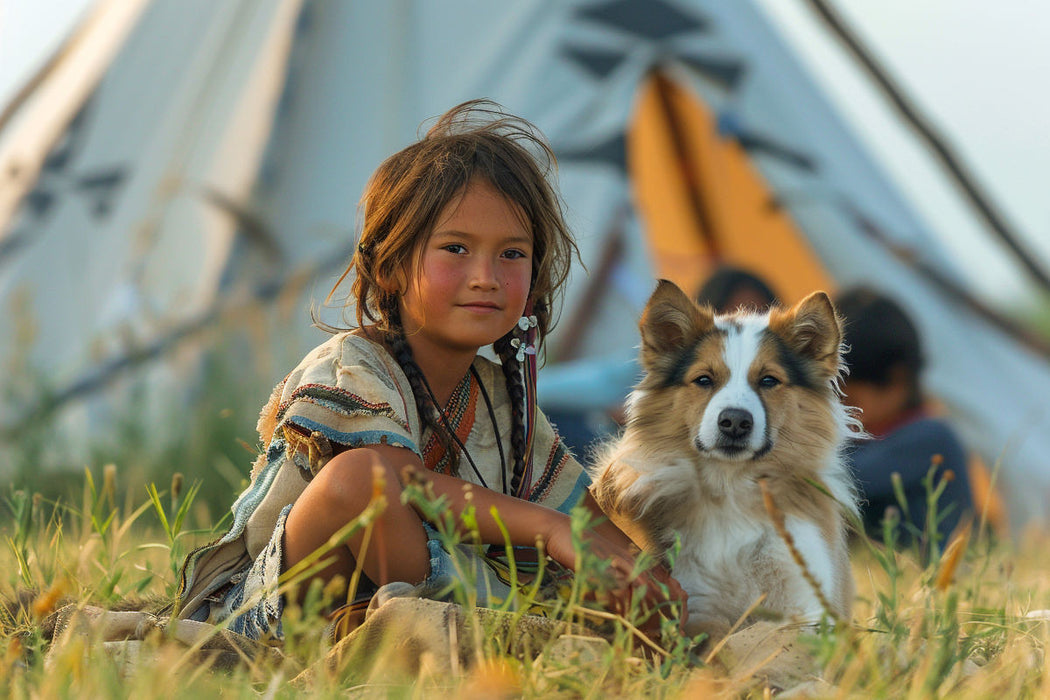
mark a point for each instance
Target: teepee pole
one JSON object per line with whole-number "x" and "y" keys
{"x": 952, "y": 288}
{"x": 933, "y": 140}
{"x": 701, "y": 210}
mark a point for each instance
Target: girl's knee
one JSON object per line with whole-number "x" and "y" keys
{"x": 351, "y": 478}
{"x": 341, "y": 491}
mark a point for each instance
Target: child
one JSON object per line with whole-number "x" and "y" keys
{"x": 728, "y": 288}
{"x": 885, "y": 361}
{"x": 463, "y": 245}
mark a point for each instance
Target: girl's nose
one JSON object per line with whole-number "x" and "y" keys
{"x": 484, "y": 274}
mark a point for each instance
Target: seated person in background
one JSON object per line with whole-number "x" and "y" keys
{"x": 885, "y": 360}
{"x": 728, "y": 288}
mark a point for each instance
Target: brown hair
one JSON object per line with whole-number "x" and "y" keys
{"x": 401, "y": 204}
{"x": 881, "y": 338}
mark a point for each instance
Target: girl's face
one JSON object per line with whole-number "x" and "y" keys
{"x": 473, "y": 276}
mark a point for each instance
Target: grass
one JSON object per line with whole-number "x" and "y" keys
{"x": 924, "y": 624}
{"x": 960, "y": 626}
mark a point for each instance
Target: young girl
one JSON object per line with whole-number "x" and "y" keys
{"x": 463, "y": 245}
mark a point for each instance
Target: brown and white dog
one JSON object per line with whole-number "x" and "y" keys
{"x": 727, "y": 401}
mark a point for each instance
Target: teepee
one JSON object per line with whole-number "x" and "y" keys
{"x": 183, "y": 162}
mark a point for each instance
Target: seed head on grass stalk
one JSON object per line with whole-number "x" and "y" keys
{"x": 934, "y": 515}
{"x": 172, "y": 520}
{"x": 953, "y": 554}
{"x": 48, "y": 601}
{"x": 109, "y": 485}
{"x": 176, "y": 490}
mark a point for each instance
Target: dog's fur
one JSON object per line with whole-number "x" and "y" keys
{"x": 727, "y": 400}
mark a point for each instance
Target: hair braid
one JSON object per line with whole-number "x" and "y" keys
{"x": 516, "y": 388}
{"x": 429, "y": 412}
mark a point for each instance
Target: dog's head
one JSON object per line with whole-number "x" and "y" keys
{"x": 741, "y": 386}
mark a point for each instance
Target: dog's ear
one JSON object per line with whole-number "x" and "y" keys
{"x": 812, "y": 329}
{"x": 671, "y": 320}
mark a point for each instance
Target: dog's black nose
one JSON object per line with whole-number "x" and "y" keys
{"x": 735, "y": 423}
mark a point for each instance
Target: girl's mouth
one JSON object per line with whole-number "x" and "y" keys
{"x": 480, "y": 306}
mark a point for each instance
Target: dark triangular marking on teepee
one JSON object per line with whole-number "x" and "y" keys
{"x": 597, "y": 62}
{"x": 71, "y": 141}
{"x": 725, "y": 72}
{"x": 39, "y": 201}
{"x": 612, "y": 152}
{"x": 729, "y": 125}
{"x": 652, "y": 19}
{"x": 756, "y": 143}
{"x": 102, "y": 188}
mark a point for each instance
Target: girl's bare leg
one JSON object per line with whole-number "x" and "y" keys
{"x": 397, "y": 549}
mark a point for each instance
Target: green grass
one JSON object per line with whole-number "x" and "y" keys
{"x": 116, "y": 531}
{"x": 203, "y": 428}
{"x": 957, "y": 627}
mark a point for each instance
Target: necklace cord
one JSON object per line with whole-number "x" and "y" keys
{"x": 455, "y": 437}
{"x": 495, "y": 427}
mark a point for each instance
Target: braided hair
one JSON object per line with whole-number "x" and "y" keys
{"x": 429, "y": 412}
{"x": 513, "y": 376}
{"x": 401, "y": 206}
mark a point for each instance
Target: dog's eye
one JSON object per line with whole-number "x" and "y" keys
{"x": 704, "y": 380}
{"x": 768, "y": 381}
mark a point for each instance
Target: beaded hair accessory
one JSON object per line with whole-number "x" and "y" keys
{"x": 525, "y": 341}
{"x": 526, "y": 344}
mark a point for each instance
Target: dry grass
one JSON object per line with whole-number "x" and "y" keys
{"x": 966, "y": 626}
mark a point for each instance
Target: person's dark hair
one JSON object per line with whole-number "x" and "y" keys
{"x": 726, "y": 282}
{"x": 881, "y": 339}
{"x": 400, "y": 208}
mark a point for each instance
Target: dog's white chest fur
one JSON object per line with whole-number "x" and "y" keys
{"x": 730, "y": 563}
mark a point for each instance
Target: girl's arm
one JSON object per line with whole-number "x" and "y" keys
{"x": 528, "y": 522}
{"x": 524, "y": 521}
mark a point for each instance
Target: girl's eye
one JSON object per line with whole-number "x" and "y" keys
{"x": 768, "y": 381}
{"x": 514, "y": 254}
{"x": 454, "y": 248}
{"x": 704, "y": 380}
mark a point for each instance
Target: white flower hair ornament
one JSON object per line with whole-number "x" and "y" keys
{"x": 525, "y": 324}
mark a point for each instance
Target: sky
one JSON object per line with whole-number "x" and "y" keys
{"x": 29, "y": 31}
{"x": 976, "y": 70}
{"x": 974, "y": 67}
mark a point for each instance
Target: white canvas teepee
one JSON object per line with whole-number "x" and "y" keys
{"x": 188, "y": 158}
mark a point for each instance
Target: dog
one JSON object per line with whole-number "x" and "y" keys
{"x": 731, "y": 405}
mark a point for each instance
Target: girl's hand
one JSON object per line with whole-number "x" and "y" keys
{"x": 525, "y": 520}
{"x": 622, "y": 557}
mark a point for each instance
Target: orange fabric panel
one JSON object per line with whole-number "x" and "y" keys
{"x": 703, "y": 202}
{"x": 661, "y": 186}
